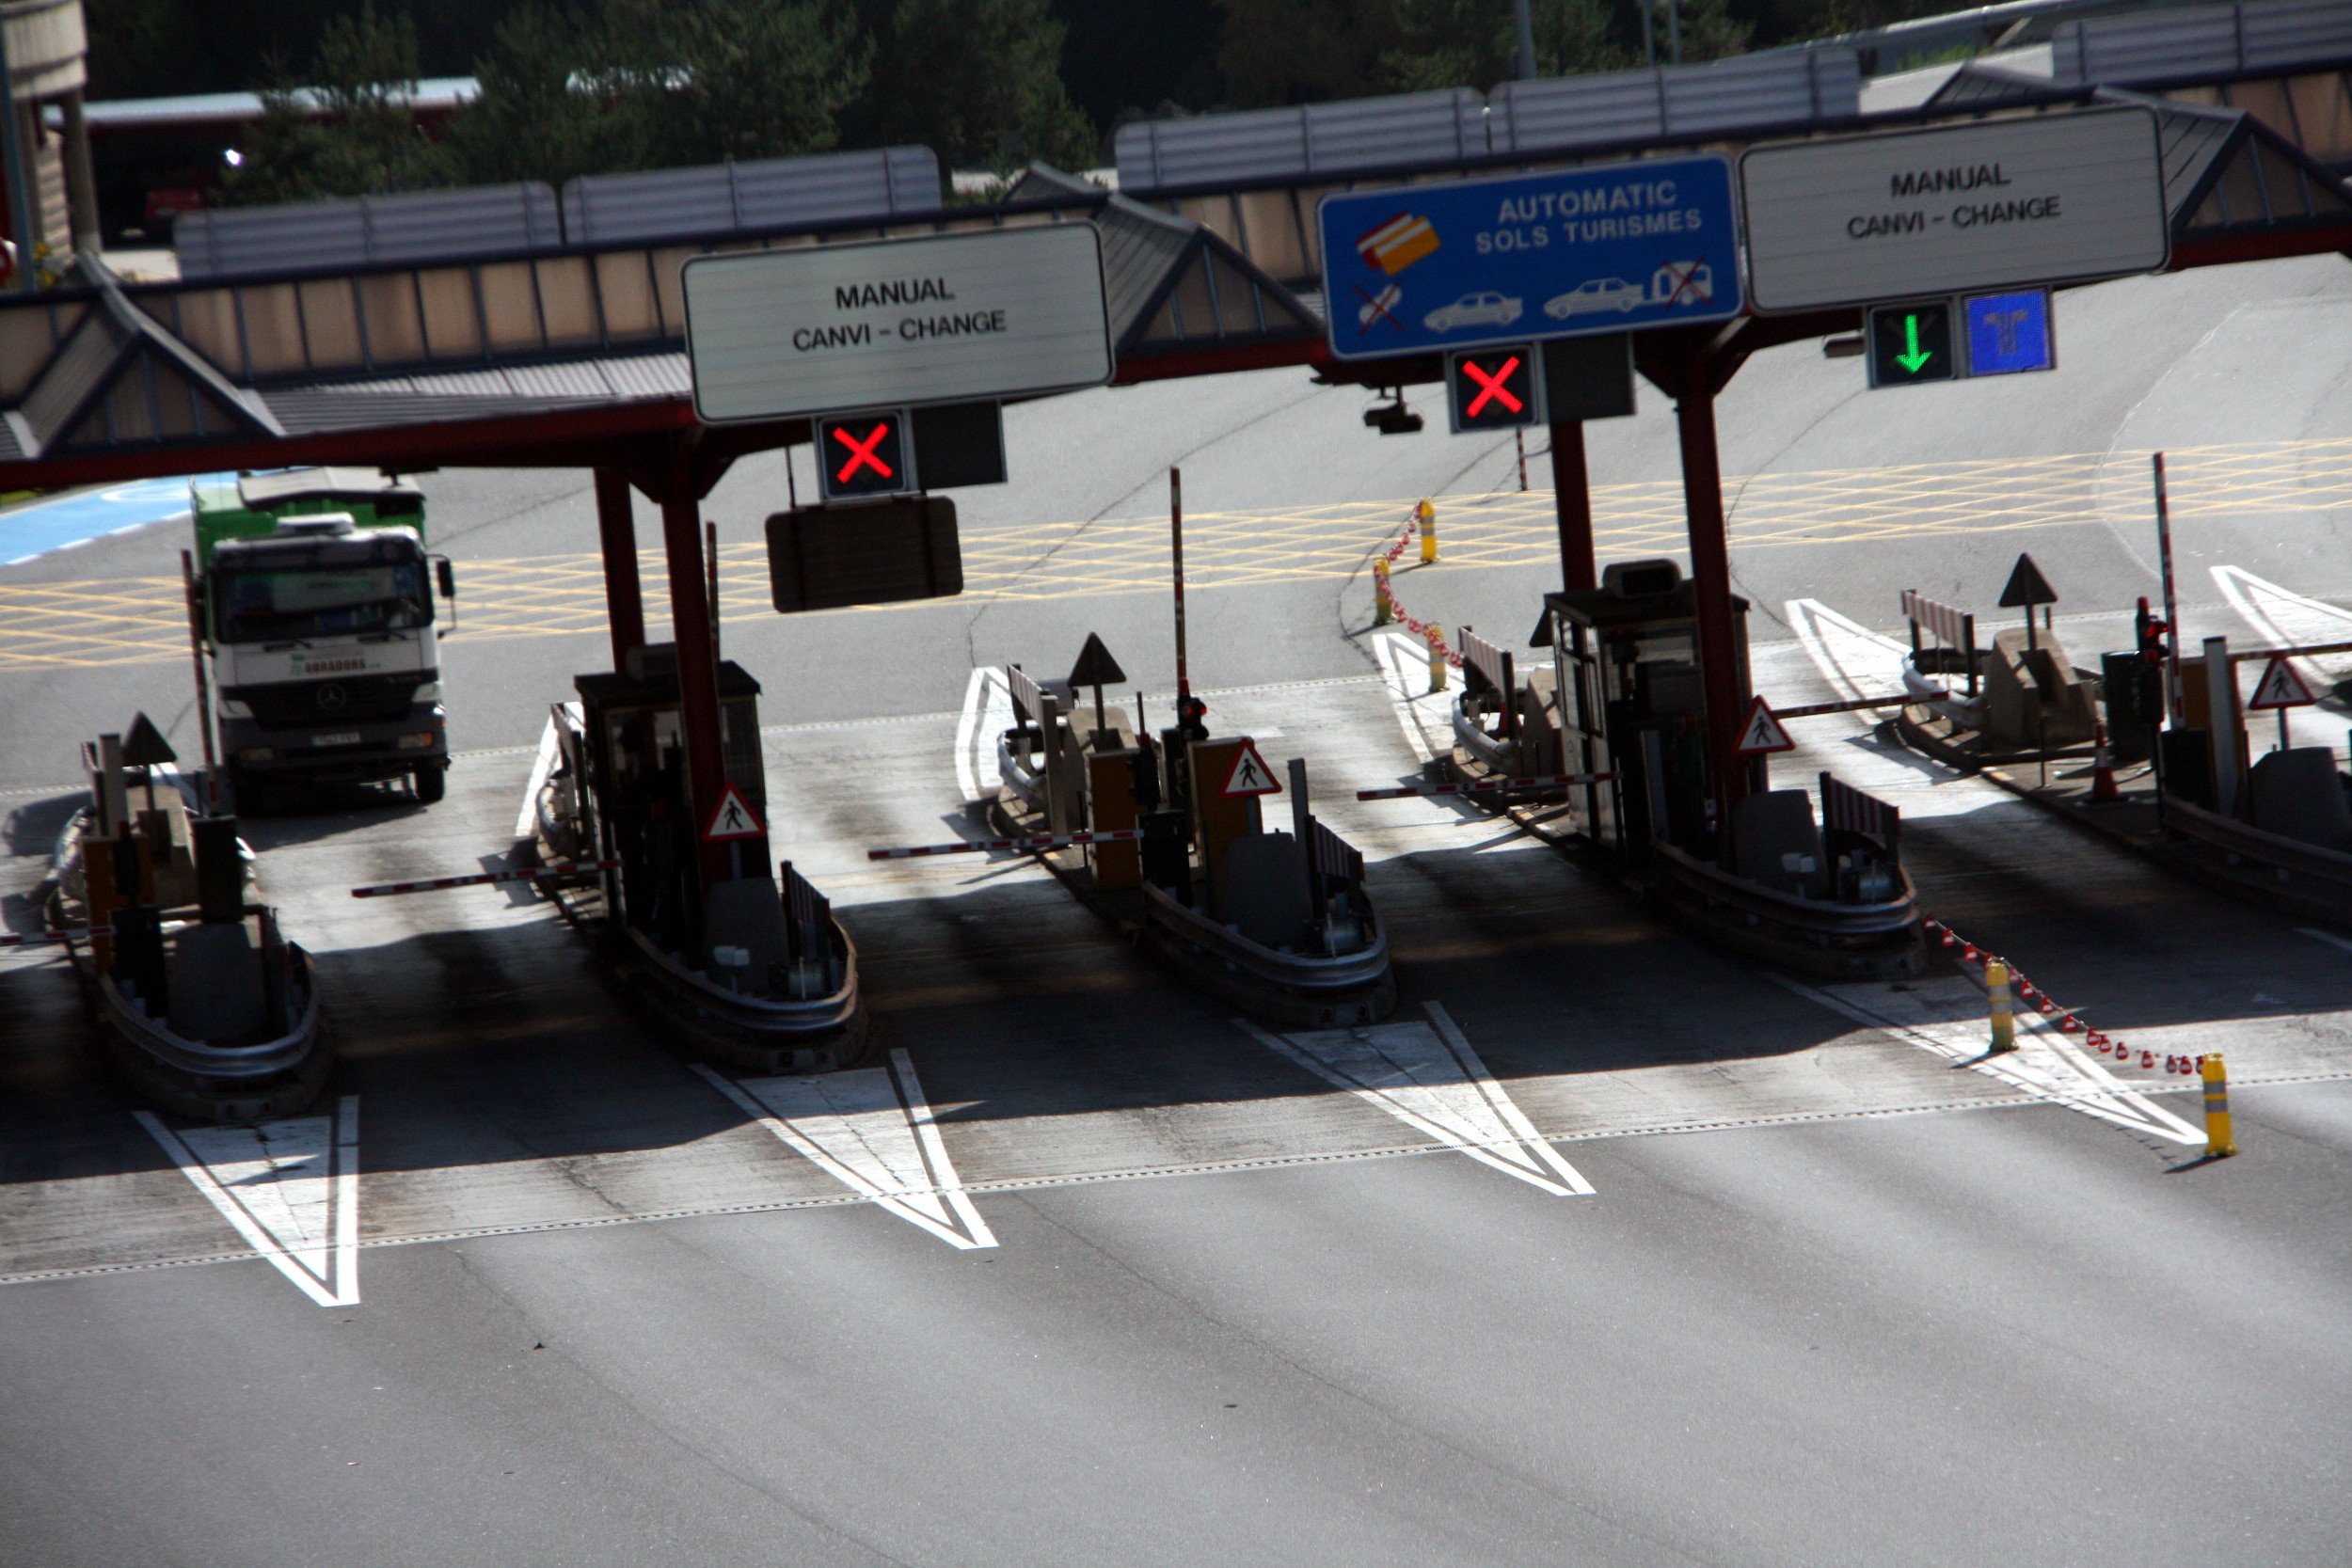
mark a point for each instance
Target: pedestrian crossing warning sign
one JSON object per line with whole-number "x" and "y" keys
{"x": 1762, "y": 733}
{"x": 734, "y": 819}
{"x": 1250, "y": 775}
{"x": 2280, "y": 686}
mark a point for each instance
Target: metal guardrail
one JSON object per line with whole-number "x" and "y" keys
{"x": 1309, "y": 974}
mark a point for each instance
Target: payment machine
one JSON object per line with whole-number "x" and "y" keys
{"x": 635, "y": 772}
{"x": 1632, "y": 705}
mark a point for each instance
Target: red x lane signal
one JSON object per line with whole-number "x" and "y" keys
{"x": 862, "y": 455}
{"x": 1493, "y": 389}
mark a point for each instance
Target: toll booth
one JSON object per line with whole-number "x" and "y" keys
{"x": 1632, "y": 705}
{"x": 634, "y": 768}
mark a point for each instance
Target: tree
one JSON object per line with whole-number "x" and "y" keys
{"x": 364, "y": 76}
{"x": 978, "y": 81}
{"x": 710, "y": 80}
{"x": 544, "y": 111}
{"x": 1451, "y": 43}
{"x": 1304, "y": 51}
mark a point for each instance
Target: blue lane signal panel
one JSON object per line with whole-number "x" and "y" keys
{"x": 2007, "y": 333}
{"x": 1411, "y": 269}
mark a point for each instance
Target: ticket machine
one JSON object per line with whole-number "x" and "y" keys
{"x": 1632, "y": 705}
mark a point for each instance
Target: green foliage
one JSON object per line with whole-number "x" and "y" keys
{"x": 978, "y": 81}
{"x": 531, "y": 123}
{"x": 701, "y": 81}
{"x": 364, "y": 74}
{"x": 1306, "y": 51}
{"x": 138, "y": 48}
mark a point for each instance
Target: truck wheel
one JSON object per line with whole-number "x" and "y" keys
{"x": 431, "y": 783}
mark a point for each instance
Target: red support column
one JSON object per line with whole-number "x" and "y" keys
{"x": 1573, "y": 501}
{"x": 617, "y": 532}
{"x": 697, "y": 668}
{"x": 1710, "y": 575}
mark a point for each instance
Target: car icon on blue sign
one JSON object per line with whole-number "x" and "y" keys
{"x": 1486, "y": 308}
{"x": 1593, "y": 296}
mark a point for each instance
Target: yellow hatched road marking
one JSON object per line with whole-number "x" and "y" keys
{"x": 139, "y": 620}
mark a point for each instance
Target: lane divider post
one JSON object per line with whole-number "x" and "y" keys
{"x": 2004, "y": 1017}
{"x": 1427, "y": 516}
{"x": 1383, "y": 610}
{"x": 1437, "y": 660}
{"x": 2219, "y": 1144}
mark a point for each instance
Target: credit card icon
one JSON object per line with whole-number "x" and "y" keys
{"x": 1397, "y": 243}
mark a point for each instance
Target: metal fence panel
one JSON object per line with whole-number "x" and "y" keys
{"x": 1763, "y": 90}
{"x": 1357, "y": 134}
{"x": 767, "y": 194}
{"x": 1757, "y": 91}
{"x": 416, "y": 226}
{"x": 2295, "y": 33}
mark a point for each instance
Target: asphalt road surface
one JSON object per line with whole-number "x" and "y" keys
{"x": 1608, "y": 1248}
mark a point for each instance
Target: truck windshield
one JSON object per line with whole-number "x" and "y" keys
{"x": 322, "y": 601}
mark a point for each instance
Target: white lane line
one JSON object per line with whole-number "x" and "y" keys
{"x": 871, "y": 1130}
{"x": 2048, "y": 1063}
{"x": 1856, "y": 661}
{"x": 1431, "y": 1080}
{"x": 2328, "y": 936}
{"x": 290, "y": 1188}
{"x": 987, "y": 713}
{"x": 1404, "y": 673}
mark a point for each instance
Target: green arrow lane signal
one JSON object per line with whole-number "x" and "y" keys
{"x": 1910, "y": 343}
{"x": 1913, "y": 356}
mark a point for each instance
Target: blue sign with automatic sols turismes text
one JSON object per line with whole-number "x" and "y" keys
{"x": 1600, "y": 248}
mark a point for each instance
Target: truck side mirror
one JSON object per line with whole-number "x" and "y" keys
{"x": 445, "y": 577}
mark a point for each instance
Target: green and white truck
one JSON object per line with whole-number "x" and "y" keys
{"x": 318, "y": 628}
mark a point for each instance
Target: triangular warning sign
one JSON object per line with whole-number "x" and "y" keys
{"x": 1250, "y": 775}
{"x": 734, "y": 819}
{"x": 2281, "y": 686}
{"x": 2027, "y": 586}
{"x": 1762, "y": 733}
{"x": 145, "y": 746}
{"x": 1095, "y": 666}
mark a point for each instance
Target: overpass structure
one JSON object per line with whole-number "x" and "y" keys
{"x": 517, "y": 326}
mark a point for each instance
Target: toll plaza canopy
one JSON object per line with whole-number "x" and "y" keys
{"x": 522, "y": 325}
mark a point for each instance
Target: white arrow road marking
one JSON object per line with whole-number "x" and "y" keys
{"x": 290, "y": 1188}
{"x": 1948, "y": 1018}
{"x": 987, "y": 714}
{"x": 1856, "y": 661}
{"x": 1404, "y": 670}
{"x": 871, "y": 1130}
{"x": 1433, "y": 1082}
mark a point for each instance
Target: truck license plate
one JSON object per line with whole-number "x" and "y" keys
{"x": 347, "y": 737}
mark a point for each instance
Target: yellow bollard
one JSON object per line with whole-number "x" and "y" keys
{"x": 2218, "y": 1142}
{"x": 1382, "y": 610}
{"x": 2004, "y": 1015}
{"x": 1428, "y": 516}
{"x": 1437, "y": 660}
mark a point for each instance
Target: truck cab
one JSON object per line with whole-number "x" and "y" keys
{"x": 318, "y": 623}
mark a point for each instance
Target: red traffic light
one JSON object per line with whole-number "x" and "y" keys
{"x": 1493, "y": 389}
{"x": 862, "y": 455}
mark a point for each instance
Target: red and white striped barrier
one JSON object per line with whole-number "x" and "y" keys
{"x": 2068, "y": 1021}
{"x": 1485, "y": 786}
{"x": 1428, "y": 631}
{"x": 1030, "y": 844}
{"x": 564, "y": 869}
